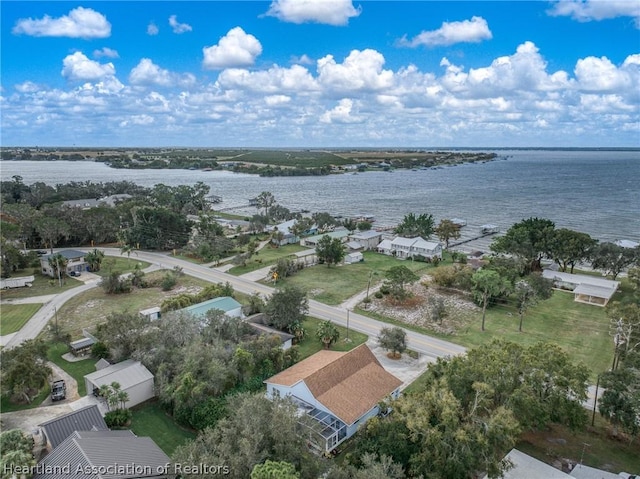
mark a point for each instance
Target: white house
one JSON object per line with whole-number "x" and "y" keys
{"x": 339, "y": 391}
{"x": 587, "y": 289}
{"x": 404, "y": 248}
{"x": 369, "y": 240}
{"x": 135, "y": 379}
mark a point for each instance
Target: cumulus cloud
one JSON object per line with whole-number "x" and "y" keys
{"x": 601, "y": 75}
{"x": 78, "y": 67}
{"x": 467, "y": 31}
{"x": 148, "y": 73}
{"x": 524, "y": 71}
{"x": 79, "y": 23}
{"x": 152, "y": 29}
{"x": 588, "y": 10}
{"x": 361, "y": 70}
{"x": 341, "y": 113}
{"x": 275, "y": 79}
{"x": 178, "y": 27}
{"x": 235, "y": 49}
{"x": 105, "y": 52}
{"x": 330, "y": 12}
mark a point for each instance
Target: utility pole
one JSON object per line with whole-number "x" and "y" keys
{"x": 347, "y": 338}
{"x": 595, "y": 402}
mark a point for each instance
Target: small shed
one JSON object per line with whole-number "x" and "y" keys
{"x": 135, "y": 379}
{"x": 151, "y": 313}
{"x": 354, "y": 257}
{"x": 81, "y": 346}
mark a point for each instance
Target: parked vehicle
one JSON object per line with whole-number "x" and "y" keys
{"x": 58, "y": 390}
{"x": 74, "y": 273}
{"x": 16, "y": 282}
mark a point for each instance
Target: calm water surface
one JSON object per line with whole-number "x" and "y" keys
{"x": 597, "y": 192}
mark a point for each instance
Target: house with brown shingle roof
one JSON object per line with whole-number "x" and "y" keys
{"x": 339, "y": 391}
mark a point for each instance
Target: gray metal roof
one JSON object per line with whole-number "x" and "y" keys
{"x": 82, "y": 343}
{"x": 527, "y": 467}
{"x": 103, "y": 455}
{"x": 127, "y": 373}
{"x": 85, "y": 419}
{"x": 586, "y": 472}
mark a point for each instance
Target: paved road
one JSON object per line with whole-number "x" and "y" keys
{"x": 421, "y": 343}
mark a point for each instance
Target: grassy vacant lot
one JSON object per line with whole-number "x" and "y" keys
{"x": 265, "y": 257}
{"x": 92, "y": 307}
{"x": 335, "y": 284}
{"x": 42, "y": 285}
{"x": 14, "y": 316}
{"x": 120, "y": 264}
{"x": 76, "y": 369}
{"x": 150, "y": 420}
{"x": 311, "y": 344}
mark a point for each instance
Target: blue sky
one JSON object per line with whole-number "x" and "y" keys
{"x": 321, "y": 73}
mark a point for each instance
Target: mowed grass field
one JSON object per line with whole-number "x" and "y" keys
{"x": 14, "y": 316}
{"x": 150, "y": 420}
{"x": 335, "y": 284}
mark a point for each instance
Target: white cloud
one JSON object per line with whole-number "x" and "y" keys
{"x": 588, "y": 10}
{"x": 152, "y": 29}
{"x": 178, "y": 27}
{"x": 79, "y": 23}
{"x": 330, "y": 12}
{"x": 361, "y": 70}
{"x": 235, "y": 49}
{"x": 105, "y": 52}
{"x": 78, "y": 67}
{"x": 522, "y": 72}
{"x": 148, "y": 73}
{"x": 28, "y": 87}
{"x": 600, "y": 74}
{"x": 277, "y": 100}
{"x": 302, "y": 60}
{"x": 467, "y": 31}
{"x": 341, "y": 113}
{"x": 275, "y": 79}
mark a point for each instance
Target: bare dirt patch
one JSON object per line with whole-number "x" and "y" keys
{"x": 428, "y": 307}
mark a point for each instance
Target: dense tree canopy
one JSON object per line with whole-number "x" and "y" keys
{"x": 446, "y": 231}
{"x": 568, "y": 247}
{"x": 330, "y": 250}
{"x": 487, "y": 286}
{"x": 613, "y": 259}
{"x": 529, "y": 239}
{"x": 286, "y": 308}
{"x": 412, "y": 226}
{"x": 24, "y": 370}
{"x": 257, "y": 429}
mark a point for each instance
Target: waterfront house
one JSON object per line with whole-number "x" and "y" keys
{"x": 287, "y": 236}
{"x": 405, "y": 248}
{"x": 338, "y": 392}
{"x": 369, "y": 240}
{"x": 586, "y": 289}
{"x": 312, "y": 241}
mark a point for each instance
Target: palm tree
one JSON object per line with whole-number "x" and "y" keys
{"x": 94, "y": 259}
{"x": 328, "y": 333}
{"x": 58, "y": 264}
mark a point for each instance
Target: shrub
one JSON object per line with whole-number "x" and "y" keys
{"x": 100, "y": 350}
{"x": 168, "y": 282}
{"x": 384, "y": 289}
{"x": 379, "y": 295}
{"x": 118, "y": 418}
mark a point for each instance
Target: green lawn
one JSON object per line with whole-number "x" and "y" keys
{"x": 266, "y": 257}
{"x": 580, "y": 329}
{"x": 7, "y": 406}
{"x": 150, "y": 420}
{"x": 42, "y": 285}
{"x": 121, "y": 264}
{"x": 311, "y": 344}
{"x": 334, "y": 284}
{"x": 14, "y": 316}
{"x": 77, "y": 369}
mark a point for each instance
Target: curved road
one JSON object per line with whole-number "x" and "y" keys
{"x": 420, "y": 343}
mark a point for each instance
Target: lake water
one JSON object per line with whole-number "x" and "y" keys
{"x": 596, "y": 192}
